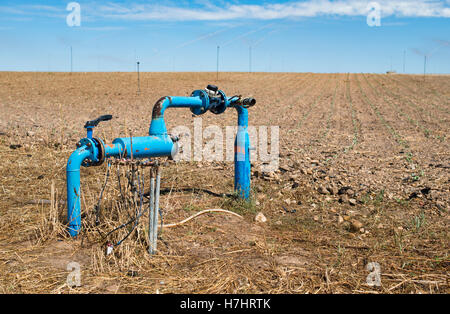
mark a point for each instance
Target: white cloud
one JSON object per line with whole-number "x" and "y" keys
{"x": 205, "y": 11}
{"x": 308, "y": 8}
{"x": 103, "y": 28}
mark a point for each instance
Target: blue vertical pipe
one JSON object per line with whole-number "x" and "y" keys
{"x": 73, "y": 189}
{"x": 242, "y": 156}
{"x": 90, "y": 132}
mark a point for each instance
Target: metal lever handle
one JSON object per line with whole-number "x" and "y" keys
{"x": 94, "y": 123}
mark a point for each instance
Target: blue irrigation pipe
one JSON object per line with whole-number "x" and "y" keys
{"x": 93, "y": 151}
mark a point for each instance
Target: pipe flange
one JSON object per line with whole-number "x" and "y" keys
{"x": 101, "y": 152}
{"x": 223, "y": 104}
{"x": 205, "y": 102}
{"x": 97, "y": 152}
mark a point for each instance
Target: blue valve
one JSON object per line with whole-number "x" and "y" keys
{"x": 90, "y": 125}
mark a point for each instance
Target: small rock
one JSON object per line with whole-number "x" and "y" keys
{"x": 30, "y": 133}
{"x": 340, "y": 219}
{"x": 343, "y": 190}
{"x": 356, "y": 225}
{"x": 322, "y": 190}
{"x": 352, "y": 202}
{"x": 333, "y": 189}
{"x": 343, "y": 199}
{"x": 260, "y": 217}
{"x": 440, "y": 205}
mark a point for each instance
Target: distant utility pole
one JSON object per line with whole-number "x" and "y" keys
{"x": 139, "y": 80}
{"x": 218, "y": 49}
{"x": 424, "y": 67}
{"x": 250, "y": 59}
{"x": 71, "y": 60}
{"x": 404, "y": 61}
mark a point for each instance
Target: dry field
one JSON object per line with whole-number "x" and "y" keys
{"x": 363, "y": 177}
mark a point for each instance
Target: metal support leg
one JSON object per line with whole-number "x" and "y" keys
{"x": 151, "y": 249}
{"x": 156, "y": 208}
{"x": 154, "y": 211}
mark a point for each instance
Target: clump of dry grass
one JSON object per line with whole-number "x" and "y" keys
{"x": 51, "y": 224}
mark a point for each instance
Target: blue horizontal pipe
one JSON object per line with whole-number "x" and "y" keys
{"x": 143, "y": 147}
{"x": 158, "y": 126}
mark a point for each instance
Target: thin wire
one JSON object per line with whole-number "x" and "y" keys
{"x": 138, "y": 213}
{"x": 97, "y": 207}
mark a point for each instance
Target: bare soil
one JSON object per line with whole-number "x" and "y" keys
{"x": 363, "y": 178}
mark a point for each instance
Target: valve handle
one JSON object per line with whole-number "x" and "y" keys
{"x": 213, "y": 88}
{"x": 94, "y": 123}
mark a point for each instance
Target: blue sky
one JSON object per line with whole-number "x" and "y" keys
{"x": 285, "y": 36}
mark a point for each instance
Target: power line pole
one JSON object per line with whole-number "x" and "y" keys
{"x": 139, "y": 79}
{"x": 424, "y": 67}
{"x": 404, "y": 61}
{"x": 218, "y": 50}
{"x": 250, "y": 59}
{"x": 71, "y": 60}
